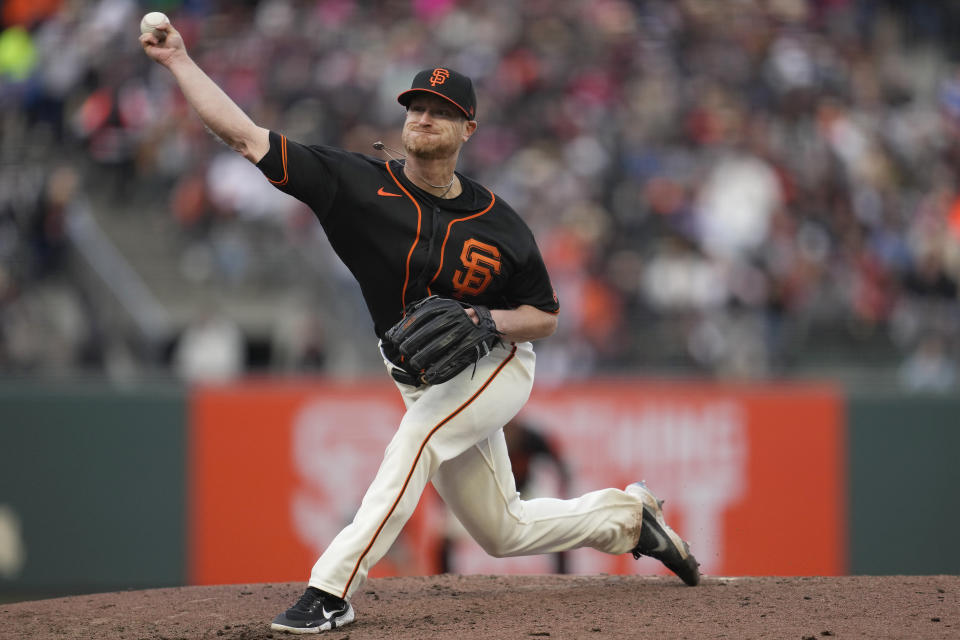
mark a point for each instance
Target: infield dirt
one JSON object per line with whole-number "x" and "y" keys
{"x": 518, "y": 607}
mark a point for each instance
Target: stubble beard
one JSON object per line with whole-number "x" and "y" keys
{"x": 429, "y": 147}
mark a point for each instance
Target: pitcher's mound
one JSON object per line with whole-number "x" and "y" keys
{"x": 518, "y": 607}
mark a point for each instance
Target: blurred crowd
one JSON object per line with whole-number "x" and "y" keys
{"x": 747, "y": 188}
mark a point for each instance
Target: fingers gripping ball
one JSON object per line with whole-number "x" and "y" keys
{"x": 151, "y": 21}
{"x": 437, "y": 339}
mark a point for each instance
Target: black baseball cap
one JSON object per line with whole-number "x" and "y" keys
{"x": 446, "y": 83}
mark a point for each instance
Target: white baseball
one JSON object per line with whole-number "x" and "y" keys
{"x": 153, "y": 20}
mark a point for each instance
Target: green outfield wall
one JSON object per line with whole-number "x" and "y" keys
{"x": 904, "y": 481}
{"x": 94, "y": 487}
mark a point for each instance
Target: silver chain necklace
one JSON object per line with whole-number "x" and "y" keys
{"x": 379, "y": 146}
{"x": 446, "y": 187}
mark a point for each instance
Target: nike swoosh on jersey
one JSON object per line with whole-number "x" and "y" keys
{"x": 381, "y": 192}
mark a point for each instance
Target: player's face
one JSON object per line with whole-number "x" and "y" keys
{"x": 434, "y": 128}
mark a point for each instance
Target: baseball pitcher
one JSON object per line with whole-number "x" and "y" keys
{"x": 457, "y": 290}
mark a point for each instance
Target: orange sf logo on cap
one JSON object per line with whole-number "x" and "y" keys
{"x": 439, "y": 77}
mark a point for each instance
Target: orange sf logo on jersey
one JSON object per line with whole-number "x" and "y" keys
{"x": 439, "y": 77}
{"x": 481, "y": 261}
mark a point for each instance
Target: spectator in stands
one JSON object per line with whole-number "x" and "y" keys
{"x": 790, "y": 165}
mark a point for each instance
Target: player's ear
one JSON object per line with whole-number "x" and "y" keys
{"x": 468, "y": 129}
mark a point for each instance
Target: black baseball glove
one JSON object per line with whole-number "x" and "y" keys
{"x": 436, "y": 339}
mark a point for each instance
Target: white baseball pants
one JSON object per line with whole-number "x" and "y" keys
{"x": 452, "y": 435}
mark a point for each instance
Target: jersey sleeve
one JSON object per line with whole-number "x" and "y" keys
{"x": 304, "y": 172}
{"x": 531, "y": 285}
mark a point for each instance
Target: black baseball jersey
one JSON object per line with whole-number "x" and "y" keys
{"x": 401, "y": 243}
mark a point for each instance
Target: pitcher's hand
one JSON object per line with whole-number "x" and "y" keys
{"x": 167, "y": 51}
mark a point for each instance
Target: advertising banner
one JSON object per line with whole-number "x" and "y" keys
{"x": 753, "y": 476}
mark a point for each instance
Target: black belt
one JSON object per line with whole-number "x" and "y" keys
{"x": 405, "y": 377}
{"x": 397, "y": 372}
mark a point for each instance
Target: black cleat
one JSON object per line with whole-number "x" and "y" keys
{"x": 657, "y": 540}
{"x": 314, "y": 612}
